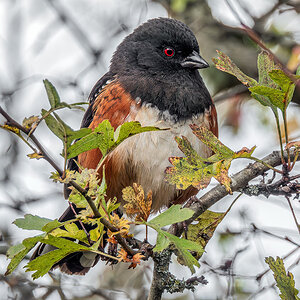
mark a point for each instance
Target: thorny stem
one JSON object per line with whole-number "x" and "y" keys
{"x": 89, "y": 200}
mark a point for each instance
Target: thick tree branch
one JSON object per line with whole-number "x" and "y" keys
{"x": 239, "y": 181}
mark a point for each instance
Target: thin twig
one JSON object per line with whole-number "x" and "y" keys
{"x": 83, "y": 191}
{"x": 293, "y": 213}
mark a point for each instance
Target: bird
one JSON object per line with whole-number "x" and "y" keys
{"x": 153, "y": 79}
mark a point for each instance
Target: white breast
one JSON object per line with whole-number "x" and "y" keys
{"x": 150, "y": 151}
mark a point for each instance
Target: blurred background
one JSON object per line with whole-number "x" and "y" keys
{"x": 71, "y": 43}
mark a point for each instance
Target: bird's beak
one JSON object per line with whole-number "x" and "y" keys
{"x": 195, "y": 61}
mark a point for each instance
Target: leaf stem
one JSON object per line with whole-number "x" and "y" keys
{"x": 266, "y": 164}
{"x": 286, "y": 138}
{"x": 280, "y": 138}
{"x": 293, "y": 213}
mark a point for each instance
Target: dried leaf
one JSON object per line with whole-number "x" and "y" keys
{"x": 121, "y": 224}
{"x": 136, "y": 204}
{"x": 295, "y": 144}
{"x": 35, "y": 156}
{"x": 136, "y": 260}
{"x": 31, "y": 122}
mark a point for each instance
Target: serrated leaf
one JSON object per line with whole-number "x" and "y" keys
{"x": 136, "y": 203}
{"x": 31, "y": 222}
{"x": 197, "y": 171}
{"x": 182, "y": 247}
{"x": 71, "y": 230}
{"x": 172, "y": 215}
{"x": 102, "y": 137}
{"x": 52, "y": 94}
{"x": 265, "y": 64}
{"x": 205, "y": 226}
{"x": 183, "y": 174}
{"x": 284, "y": 281}
{"x": 285, "y": 83}
{"x": 18, "y": 252}
{"x": 209, "y": 139}
{"x": 275, "y": 96}
{"x": 224, "y": 63}
{"x": 42, "y": 264}
{"x": 87, "y": 177}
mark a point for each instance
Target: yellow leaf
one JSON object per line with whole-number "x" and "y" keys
{"x": 31, "y": 122}
{"x": 35, "y": 156}
{"x": 121, "y": 224}
{"x": 136, "y": 204}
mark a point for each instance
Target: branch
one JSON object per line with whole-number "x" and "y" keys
{"x": 238, "y": 181}
{"x": 84, "y": 192}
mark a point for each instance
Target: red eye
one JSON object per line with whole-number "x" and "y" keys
{"x": 169, "y": 52}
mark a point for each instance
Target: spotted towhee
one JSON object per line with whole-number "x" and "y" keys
{"x": 153, "y": 79}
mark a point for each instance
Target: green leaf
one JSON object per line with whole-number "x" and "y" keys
{"x": 87, "y": 177}
{"x": 202, "y": 231}
{"x": 265, "y": 64}
{"x": 182, "y": 247}
{"x": 14, "y": 250}
{"x": 284, "y": 281}
{"x": 285, "y": 83}
{"x": 209, "y": 139}
{"x": 131, "y": 128}
{"x": 224, "y": 63}
{"x": 71, "y": 230}
{"x": 42, "y": 264}
{"x": 172, "y": 215}
{"x": 51, "y": 225}
{"x": 281, "y": 79}
{"x": 275, "y": 96}
{"x": 102, "y": 137}
{"x": 62, "y": 130}
{"x": 162, "y": 242}
{"x": 31, "y": 222}
{"x": 18, "y": 252}
{"x": 52, "y": 94}
{"x": 54, "y": 125}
